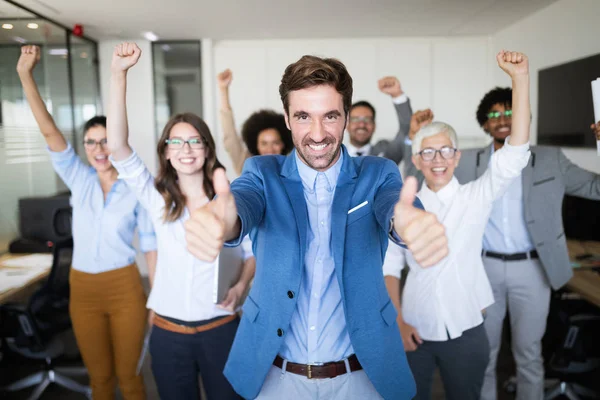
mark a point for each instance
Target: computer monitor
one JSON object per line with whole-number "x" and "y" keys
{"x": 46, "y": 219}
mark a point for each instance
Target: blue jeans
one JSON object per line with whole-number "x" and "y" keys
{"x": 178, "y": 359}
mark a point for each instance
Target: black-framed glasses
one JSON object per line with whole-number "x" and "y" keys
{"x": 498, "y": 114}
{"x": 366, "y": 120}
{"x": 91, "y": 143}
{"x": 176, "y": 143}
{"x": 428, "y": 154}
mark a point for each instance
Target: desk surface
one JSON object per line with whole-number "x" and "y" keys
{"x": 585, "y": 282}
{"x": 25, "y": 290}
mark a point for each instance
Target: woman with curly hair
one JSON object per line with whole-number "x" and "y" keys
{"x": 191, "y": 335}
{"x": 264, "y": 132}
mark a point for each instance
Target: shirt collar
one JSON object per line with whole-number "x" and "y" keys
{"x": 364, "y": 150}
{"x": 309, "y": 175}
{"x": 444, "y": 195}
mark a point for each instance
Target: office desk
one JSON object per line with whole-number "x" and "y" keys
{"x": 23, "y": 292}
{"x": 585, "y": 282}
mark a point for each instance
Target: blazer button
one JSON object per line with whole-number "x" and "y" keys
{"x": 280, "y": 332}
{"x": 290, "y": 294}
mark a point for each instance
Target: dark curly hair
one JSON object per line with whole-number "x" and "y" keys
{"x": 261, "y": 120}
{"x": 497, "y": 95}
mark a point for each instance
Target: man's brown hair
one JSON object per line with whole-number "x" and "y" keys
{"x": 310, "y": 71}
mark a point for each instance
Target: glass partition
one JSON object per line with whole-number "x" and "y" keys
{"x": 67, "y": 77}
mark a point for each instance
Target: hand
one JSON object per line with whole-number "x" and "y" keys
{"x": 234, "y": 295}
{"x": 410, "y": 336}
{"x": 596, "y": 128}
{"x": 151, "y": 315}
{"x": 390, "y": 85}
{"x": 224, "y": 79}
{"x": 420, "y": 230}
{"x": 125, "y": 56}
{"x": 30, "y": 56}
{"x": 206, "y": 229}
{"x": 418, "y": 120}
{"x": 513, "y": 63}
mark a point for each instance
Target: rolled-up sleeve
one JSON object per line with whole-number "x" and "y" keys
{"x": 70, "y": 168}
{"x": 394, "y": 260}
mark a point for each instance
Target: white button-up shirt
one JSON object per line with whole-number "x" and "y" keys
{"x": 447, "y": 299}
{"x": 183, "y": 285}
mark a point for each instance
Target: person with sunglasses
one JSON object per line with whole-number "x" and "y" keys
{"x": 107, "y": 300}
{"x": 441, "y": 313}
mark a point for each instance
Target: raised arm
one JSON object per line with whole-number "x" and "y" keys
{"x": 232, "y": 142}
{"x": 30, "y": 56}
{"x": 391, "y": 86}
{"x": 516, "y": 66}
{"x": 125, "y": 56}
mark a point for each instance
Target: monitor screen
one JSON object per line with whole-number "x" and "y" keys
{"x": 565, "y": 107}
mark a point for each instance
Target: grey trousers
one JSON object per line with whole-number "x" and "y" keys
{"x": 285, "y": 385}
{"x": 461, "y": 361}
{"x": 523, "y": 289}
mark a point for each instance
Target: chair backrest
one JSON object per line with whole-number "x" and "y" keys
{"x": 50, "y": 304}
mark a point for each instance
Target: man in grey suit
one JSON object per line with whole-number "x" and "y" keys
{"x": 361, "y": 124}
{"x": 525, "y": 252}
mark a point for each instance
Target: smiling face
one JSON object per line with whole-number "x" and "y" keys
{"x": 361, "y": 125}
{"x": 96, "y": 149}
{"x": 269, "y": 142}
{"x": 185, "y": 158}
{"x": 439, "y": 171}
{"x": 499, "y": 127}
{"x": 317, "y": 121}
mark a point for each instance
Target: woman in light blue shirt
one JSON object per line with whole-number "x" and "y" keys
{"x": 107, "y": 302}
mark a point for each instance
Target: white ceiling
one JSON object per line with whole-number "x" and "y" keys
{"x": 270, "y": 19}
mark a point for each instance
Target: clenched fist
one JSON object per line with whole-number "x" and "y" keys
{"x": 30, "y": 56}
{"x": 390, "y": 85}
{"x": 125, "y": 56}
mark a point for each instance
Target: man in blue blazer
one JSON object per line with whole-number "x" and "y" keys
{"x": 318, "y": 322}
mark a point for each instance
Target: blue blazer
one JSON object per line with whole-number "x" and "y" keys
{"x": 271, "y": 205}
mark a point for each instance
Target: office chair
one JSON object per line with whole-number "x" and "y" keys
{"x": 577, "y": 358}
{"x": 33, "y": 331}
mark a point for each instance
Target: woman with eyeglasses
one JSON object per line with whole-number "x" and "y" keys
{"x": 107, "y": 300}
{"x": 191, "y": 335}
{"x": 263, "y": 133}
{"x": 442, "y": 309}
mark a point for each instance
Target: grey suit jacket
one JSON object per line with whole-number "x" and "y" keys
{"x": 547, "y": 177}
{"x": 395, "y": 149}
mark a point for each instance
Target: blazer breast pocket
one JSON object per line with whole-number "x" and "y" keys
{"x": 545, "y": 180}
{"x": 358, "y": 212}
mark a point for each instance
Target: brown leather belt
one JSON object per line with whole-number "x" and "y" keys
{"x": 320, "y": 371}
{"x": 190, "y": 330}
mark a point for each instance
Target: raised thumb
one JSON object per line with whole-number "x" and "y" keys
{"x": 220, "y": 182}
{"x": 408, "y": 192}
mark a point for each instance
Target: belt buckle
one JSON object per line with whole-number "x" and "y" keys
{"x": 309, "y": 369}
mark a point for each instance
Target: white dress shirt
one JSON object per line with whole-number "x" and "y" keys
{"x": 448, "y": 298}
{"x": 183, "y": 285}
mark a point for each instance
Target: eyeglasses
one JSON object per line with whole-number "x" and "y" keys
{"x": 91, "y": 143}
{"x": 366, "y": 120}
{"x": 178, "y": 143}
{"x": 446, "y": 152}
{"x": 498, "y": 114}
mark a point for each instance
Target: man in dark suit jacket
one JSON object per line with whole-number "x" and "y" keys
{"x": 320, "y": 222}
{"x": 525, "y": 251}
{"x": 361, "y": 124}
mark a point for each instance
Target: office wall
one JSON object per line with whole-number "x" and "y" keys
{"x": 447, "y": 74}
{"x": 564, "y": 31}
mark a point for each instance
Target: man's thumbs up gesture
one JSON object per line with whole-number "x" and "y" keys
{"x": 423, "y": 234}
{"x": 210, "y": 226}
